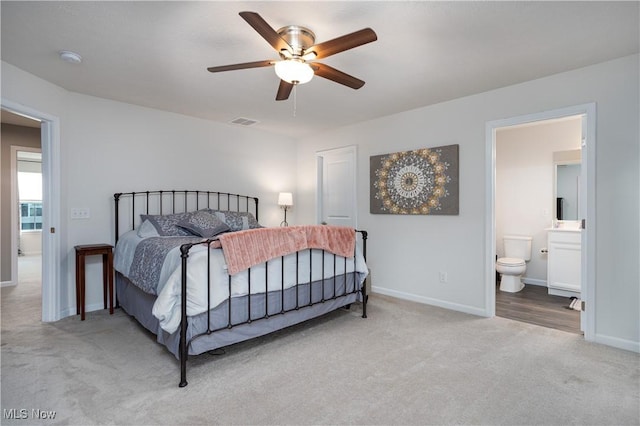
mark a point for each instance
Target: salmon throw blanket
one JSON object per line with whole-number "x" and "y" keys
{"x": 243, "y": 249}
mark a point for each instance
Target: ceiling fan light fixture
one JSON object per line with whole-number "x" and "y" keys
{"x": 294, "y": 71}
{"x": 309, "y": 56}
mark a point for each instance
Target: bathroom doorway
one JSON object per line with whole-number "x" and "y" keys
{"x": 523, "y": 201}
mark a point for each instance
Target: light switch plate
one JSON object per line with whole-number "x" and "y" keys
{"x": 80, "y": 213}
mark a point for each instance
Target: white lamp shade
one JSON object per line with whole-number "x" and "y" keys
{"x": 285, "y": 199}
{"x": 294, "y": 71}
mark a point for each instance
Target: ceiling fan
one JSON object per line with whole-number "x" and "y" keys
{"x": 295, "y": 45}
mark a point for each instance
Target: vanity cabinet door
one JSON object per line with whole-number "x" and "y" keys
{"x": 564, "y": 261}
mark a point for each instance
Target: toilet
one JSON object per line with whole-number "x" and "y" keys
{"x": 517, "y": 251}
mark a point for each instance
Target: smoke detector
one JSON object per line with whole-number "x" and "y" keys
{"x": 71, "y": 57}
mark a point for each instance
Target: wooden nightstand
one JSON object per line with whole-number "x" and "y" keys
{"x": 106, "y": 250}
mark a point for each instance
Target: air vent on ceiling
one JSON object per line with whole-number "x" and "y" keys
{"x": 244, "y": 121}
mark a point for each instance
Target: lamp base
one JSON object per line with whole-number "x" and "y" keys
{"x": 284, "y": 222}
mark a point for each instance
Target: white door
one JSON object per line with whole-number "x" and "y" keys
{"x": 337, "y": 202}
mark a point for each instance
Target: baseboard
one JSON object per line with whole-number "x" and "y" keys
{"x": 67, "y": 312}
{"x": 429, "y": 301}
{"x": 71, "y": 311}
{"x": 616, "y": 342}
{"x": 534, "y": 281}
{"x": 7, "y": 284}
{"x": 94, "y": 307}
{"x": 563, "y": 293}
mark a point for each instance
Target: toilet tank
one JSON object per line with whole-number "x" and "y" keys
{"x": 517, "y": 246}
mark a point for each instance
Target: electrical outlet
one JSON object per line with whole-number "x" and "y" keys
{"x": 80, "y": 213}
{"x": 443, "y": 277}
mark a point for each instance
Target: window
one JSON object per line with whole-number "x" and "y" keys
{"x": 30, "y": 194}
{"x": 30, "y": 216}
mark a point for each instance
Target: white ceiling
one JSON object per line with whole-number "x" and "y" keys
{"x": 155, "y": 54}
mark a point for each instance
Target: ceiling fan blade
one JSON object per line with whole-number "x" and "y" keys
{"x": 284, "y": 90}
{"x": 333, "y": 74}
{"x": 266, "y": 31}
{"x": 256, "y": 64}
{"x": 343, "y": 43}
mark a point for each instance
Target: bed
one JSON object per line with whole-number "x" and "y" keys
{"x": 198, "y": 270}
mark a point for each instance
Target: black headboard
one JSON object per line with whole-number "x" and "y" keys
{"x": 130, "y": 205}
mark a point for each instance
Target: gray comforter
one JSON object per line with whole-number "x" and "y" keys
{"x": 149, "y": 257}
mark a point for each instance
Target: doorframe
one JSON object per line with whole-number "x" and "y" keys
{"x": 50, "y": 146}
{"x": 588, "y": 191}
{"x": 14, "y": 202}
{"x": 351, "y": 150}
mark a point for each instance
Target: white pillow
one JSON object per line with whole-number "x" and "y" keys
{"x": 147, "y": 230}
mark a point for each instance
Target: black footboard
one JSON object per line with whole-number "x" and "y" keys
{"x": 331, "y": 288}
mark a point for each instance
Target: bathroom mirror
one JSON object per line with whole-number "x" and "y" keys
{"x": 566, "y": 184}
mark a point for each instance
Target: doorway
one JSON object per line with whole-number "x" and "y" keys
{"x": 50, "y": 145}
{"x": 22, "y": 205}
{"x": 26, "y": 219}
{"x": 586, "y": 200}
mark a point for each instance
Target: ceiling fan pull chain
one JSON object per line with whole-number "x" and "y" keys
{"x": 295, "y": 98}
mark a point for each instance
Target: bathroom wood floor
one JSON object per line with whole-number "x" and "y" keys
{"x": 533, "y": 305}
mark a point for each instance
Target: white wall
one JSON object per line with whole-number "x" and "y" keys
{"x": 108, "y": 147}
{"x": 30, "y": 242}
{"x": 524, "y": 203}
{"x": 105, "y": 147}
{"x": 406, "y": 253}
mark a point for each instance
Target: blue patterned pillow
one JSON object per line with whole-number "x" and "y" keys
{"x": 204, "y": 224}
{"x": 238, "y": 221}
{"x": 166, "y": 225}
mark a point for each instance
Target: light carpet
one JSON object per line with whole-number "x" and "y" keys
{"x": 406, "y": 364}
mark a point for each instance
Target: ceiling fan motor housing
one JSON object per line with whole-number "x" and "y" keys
{"x": 299, "y": 38}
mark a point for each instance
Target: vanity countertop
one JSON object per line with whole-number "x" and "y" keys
{"x": 564, "y": 229}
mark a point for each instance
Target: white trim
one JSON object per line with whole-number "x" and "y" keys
{"x": 616, "y": 342}
{"x": 7, "y": 284}
{"x": 588, "y": 272}
{"x": 534, "y": 281}
{"x": 50, "y": 145}
{"x": 429, "y": 301}
{"x": 490, "y": 225}
{"x": 588, "y": 191}
{"x": 563, "y": 293}
{"x": 318, "y": 185}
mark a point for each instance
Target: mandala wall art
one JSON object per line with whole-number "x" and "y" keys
{"x": 423, "y": 181}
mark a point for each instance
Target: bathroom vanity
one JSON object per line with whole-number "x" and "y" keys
{"x": 564, "y": 261}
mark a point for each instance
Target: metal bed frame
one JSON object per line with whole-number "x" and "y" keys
{"x": 172, "y": 201}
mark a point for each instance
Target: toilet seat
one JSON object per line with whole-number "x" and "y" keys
{"x": 510, "y": 261}
{"x": 510, "y": 269}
